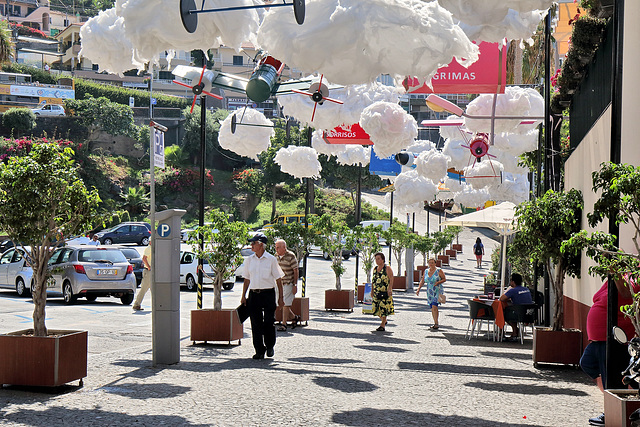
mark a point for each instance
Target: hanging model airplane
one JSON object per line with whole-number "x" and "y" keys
{"x": 189, "y": 12}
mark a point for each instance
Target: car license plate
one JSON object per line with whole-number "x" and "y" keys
{"x": 107, "y": 272}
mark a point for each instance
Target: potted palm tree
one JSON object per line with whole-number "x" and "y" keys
{"x": 336, "y": 237}
{"x": 543, "y": 225}
{"x": 45, "y": 184}
{"x": 219, "y": 242}
{"x": 367, "y": 244}
{"x": 617, "y": 186}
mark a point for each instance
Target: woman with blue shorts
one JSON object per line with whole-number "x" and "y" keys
{"x": 434, "y": 278}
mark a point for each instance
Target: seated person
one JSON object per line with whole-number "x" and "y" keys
{"x": 516, "y": 295}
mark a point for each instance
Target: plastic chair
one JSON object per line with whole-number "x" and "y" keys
{"x": 479, "y": 312}
{"x": 522, "y": 314}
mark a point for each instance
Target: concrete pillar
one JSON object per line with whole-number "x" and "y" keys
{"x": 166, "y": 287}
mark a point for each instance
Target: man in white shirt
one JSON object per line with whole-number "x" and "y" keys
{"x": 261, "y": 276}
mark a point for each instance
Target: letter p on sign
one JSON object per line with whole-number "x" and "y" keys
{"x": 164, "y": 230}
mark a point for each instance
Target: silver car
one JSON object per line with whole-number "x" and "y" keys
{"x": 15, "y": 273}
{"x": 189, "y": 272}
{"x": 91, "y": 272}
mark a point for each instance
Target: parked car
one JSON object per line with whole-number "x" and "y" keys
{"x": 49, "y": 110}
{"x": 135, "y": 259}
{"x": 6, "y": 244}
{"x": 126, "y": 232}
{"x": 189, "y": 272}
{"x": 246, "y": 252}
{"x": 14, "y": 272}
{"x": 375, "y": 223}
{"x": 90, "y": 272}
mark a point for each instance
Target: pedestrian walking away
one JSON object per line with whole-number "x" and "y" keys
{"x": 263, "y": 276}
{"x": 146, "y": 278}
{"x": 434, "y": 278}
{"x": 289, "y": 265}
{"x": 478, "y": 250}
{"x": 382, "y": 291}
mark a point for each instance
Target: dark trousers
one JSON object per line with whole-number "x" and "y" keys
{"x": 262, "y": 312}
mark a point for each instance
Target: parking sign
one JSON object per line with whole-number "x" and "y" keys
{"x": 158, "y": 148}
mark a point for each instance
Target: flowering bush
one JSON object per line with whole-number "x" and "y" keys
{"x": 23, "y": 30}
{"x": 22, "y": 146}
{"x": 249, "y": 181}
{"x": 186, "y": 180}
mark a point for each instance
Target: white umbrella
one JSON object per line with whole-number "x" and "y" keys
{"x": 498, "y": 218}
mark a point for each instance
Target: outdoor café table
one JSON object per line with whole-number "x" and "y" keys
{"x": 498, "y": 309}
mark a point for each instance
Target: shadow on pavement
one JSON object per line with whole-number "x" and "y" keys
{"x": 146, "y": 391}
{"x": 468, "y": 370}
{"x": 382, "y": 348}
{"x": 376, "y": 338}
{"x": 368, "y": 416}
{"x": 525, "y": 389}
{"x": 93, "y": 416}
{"x": 323, "y": 360}
{"x": 345, "y": 385}
{"x": 507, "y": 355}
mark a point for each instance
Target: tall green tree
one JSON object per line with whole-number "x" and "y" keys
{"x": 367, "y": 243}
{"x": 424, "y": 245}
{"x": 216, "y": 156}
{"x": 41, "y": 194}
{"x": 136, "y": 200}
{"x": 399, "y": 238}
{"x": 6, "y": 43}
{"x": 101, "y": 114}
{"x": 335, "y": 236}
{"x": 543, "y": 224}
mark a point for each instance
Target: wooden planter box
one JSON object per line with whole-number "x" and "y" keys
{"x": 216, "y": 325}
{"x": 618, "y": 405}
{"x": 339, "y": 300}
{"x": 399, "y": 282}
{"x": 457, "y": 247}
{"x": 360, "y": 297}
{"x": 452, "y": 253}
{"x": 438, "y": 263}
{"x": 562, "y": 347}
{"x": 300, "y": 308}
{"x": 416, "y": 275}
{"x": 49, "y": 361}
{"x": 444, "y": 259}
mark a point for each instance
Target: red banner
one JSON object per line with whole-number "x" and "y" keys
{"x": 480, "y": 77}
{"x": 347, "y": 134}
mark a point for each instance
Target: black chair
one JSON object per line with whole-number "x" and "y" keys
{"x": 540, "y": 304}
{"x": 522, "y": 314}
{"x": 479, "y": 312}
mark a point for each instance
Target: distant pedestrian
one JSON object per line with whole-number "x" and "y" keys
{"x": 94, "y": 240}
{"x": 289, "y": 265}
{"x": 382, "y": 291}
{"x": 478, "y": 250}
{"x": 262, "y": 274}
{"x": 146, "y": 278}
{"x": 434, "y": 278}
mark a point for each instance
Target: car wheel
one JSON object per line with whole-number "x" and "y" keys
{"x": 91, "y": 298}
{"x": 227, "y": 286}
{"x": 107, "y": 241}
{"x": 144, "y": 241}
{"x": 325, "y": 255}
{"x": 126, "y": 299}
{"x": 67, "y": 293}
{"x": 345, "y": 257}
{"x": 192, "y": 286}
{"x": 21, "y": 289}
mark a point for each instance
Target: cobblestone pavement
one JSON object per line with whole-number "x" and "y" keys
{"x": 335, "y": 371}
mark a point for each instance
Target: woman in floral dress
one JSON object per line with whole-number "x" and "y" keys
{"x": 434, "y": 278}
{"x": 381, "y": 290}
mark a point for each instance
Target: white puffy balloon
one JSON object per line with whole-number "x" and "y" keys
{"x": 514, "y": 189}
{"x": 432, "y": 164}
{"x": 471, "y": 198}
{"x": 516, "y": 143}
{"x": 355, "y": 41}
{"x": 515, "y": 101}
{"x": 299, "y": 162}
{"x": 483, "y": 173}
{"x": 248, "y": 141}
{"x": 354, "y": 155}
{"x": 411, "y": 188}
{"x": 389, "y": 126}
{"x": 319, "y": 144}
{"x": 514, "y": 26}
{"x": 458, "y": 155}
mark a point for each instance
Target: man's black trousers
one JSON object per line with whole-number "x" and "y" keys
{"x": 262, "y": 312}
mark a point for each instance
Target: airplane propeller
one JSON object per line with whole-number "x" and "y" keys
{"x": 198, "y": 89}
{"x": 318, "y": 93}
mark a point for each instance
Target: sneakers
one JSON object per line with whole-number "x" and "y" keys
{"x": 597, "y": 421}
{"x": 137, "y": 308}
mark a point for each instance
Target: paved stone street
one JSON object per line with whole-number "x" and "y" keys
{"x": 335, "y": 371}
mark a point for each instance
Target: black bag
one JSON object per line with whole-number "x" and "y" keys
{"x": 382, "y": 295}
{"x": 477, "y": 249}
{"x": 243, "y": 312}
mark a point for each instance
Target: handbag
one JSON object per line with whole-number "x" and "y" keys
{"x": 442, "y": 298}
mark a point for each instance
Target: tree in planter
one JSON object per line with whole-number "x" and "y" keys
{"x": 424, "y": 245}
{"x": 41, "y": 194}
{"x": 367, "y": 244}
{"x": 336, "y": 236}
{"x": 543, "y": 225}
{"x": 222, "y": 241}
{"x": 442, "y": 240}
{"x": 618, "y": 188}
{"x": 298, "y": 237}
{"x": 399, "y": 238}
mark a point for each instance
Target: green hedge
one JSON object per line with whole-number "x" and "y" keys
{"x": 121, "y": 95}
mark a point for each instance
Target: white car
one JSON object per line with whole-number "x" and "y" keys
{"x": 49, "y": 110}
{"x": 189, "y": 272}
{"x": 246, "y": 252}
{"x": 14, "y": 273}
